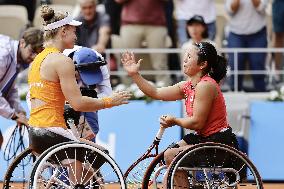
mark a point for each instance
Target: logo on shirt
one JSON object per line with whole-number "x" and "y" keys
{"x": 36, "y": 84}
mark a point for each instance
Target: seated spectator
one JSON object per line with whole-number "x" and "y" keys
{"x": 95, "y": 29}
{"x": 247, "y": 29}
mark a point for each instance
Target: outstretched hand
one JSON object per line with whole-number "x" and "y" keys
{"x": 120, "y": 97}
{"x": 129, "y": 63}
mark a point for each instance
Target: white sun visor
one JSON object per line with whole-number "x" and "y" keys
{"x": 65, "y": 21}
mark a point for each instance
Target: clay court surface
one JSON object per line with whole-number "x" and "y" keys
{"x": 19, "y": 186}
{"x": 266, "y": 186}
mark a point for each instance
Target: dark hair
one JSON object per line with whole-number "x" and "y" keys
{"x": 216, "y": 64}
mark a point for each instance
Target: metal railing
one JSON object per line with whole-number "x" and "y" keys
{"x": 235, "y": 51}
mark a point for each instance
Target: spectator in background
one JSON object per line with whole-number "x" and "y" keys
{"x": 247, "y": 28}
{"x": 186, "y": 9}
{"x": 113, "y": 9}
{"x": 197, "y": 31}
{"x": 14, "y": 57}
{"x": 145, "y": 20}
{"x": 173, "y": 58}
{"x": 95, "y": 29}
{"x": 278, "y": 29}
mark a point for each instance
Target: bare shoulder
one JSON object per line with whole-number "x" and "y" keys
{"x": 206, "y": 87}
{"x": 60, "y": 61}
{"x": 61, "y": 58}
{"x": 180, "y": 84}
{"x": 60, "y": 64}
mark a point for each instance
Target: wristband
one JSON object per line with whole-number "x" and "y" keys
{"x": 107, "y": 102}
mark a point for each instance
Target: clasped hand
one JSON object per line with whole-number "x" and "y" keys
{"x": 167, "y": 121}
{"x": 22, "y": 119}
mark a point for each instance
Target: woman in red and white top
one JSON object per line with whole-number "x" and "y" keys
{"x": 204, "y": 101}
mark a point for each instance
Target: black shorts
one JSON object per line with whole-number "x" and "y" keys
{"x": 210, "y": 157}
{"x": 225, "y": 137}
{"x": 42, "y": 139}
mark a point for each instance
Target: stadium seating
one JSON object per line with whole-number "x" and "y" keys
{"x": 13, "y": 19}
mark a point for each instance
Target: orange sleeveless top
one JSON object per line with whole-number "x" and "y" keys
{"x": 51, "y": 113}
{"x": 217, "y": 118}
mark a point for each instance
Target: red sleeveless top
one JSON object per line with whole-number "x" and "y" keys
{"x": 217, "y": 118}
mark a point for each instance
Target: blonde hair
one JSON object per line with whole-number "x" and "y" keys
{"x": 49, "y": 16}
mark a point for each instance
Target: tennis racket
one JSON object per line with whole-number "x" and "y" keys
{"x": 135, "y": 173}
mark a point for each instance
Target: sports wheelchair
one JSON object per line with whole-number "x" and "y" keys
{"x": 70, "y": 165}
{"x": 201, "y": 166}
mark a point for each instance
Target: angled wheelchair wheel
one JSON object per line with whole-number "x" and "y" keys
{"x": 154, "y": 174}
{"x": 134, "y": 178}
{"x": 17, "y": 174}
{"x": 76, "y": 166}
{"x": 214, "y": 166}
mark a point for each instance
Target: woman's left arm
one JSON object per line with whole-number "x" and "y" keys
{"x": 205, "y": 94}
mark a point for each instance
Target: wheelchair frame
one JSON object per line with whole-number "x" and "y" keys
{"x": 48, "y": 153}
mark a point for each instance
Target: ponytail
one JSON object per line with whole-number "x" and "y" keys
{"x": 219, "y": 69}
{"x": 217, "y": 65}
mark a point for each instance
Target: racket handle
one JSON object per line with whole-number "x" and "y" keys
{"x": 160, "y": 133}
{"x": 73, "y": 128}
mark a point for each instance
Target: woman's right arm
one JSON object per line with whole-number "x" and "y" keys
{"x": 72, "y": 93}
{"x": 165, "y": 93}
{"x": 169, "y": 93}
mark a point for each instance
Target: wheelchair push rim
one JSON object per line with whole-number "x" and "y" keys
{"x": 98, "y": 174}
{"x": 236, "y": 167}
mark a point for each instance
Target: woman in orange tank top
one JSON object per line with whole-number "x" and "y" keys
{"x": 204, "y": 101}
{"x": 52, "y": 82}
